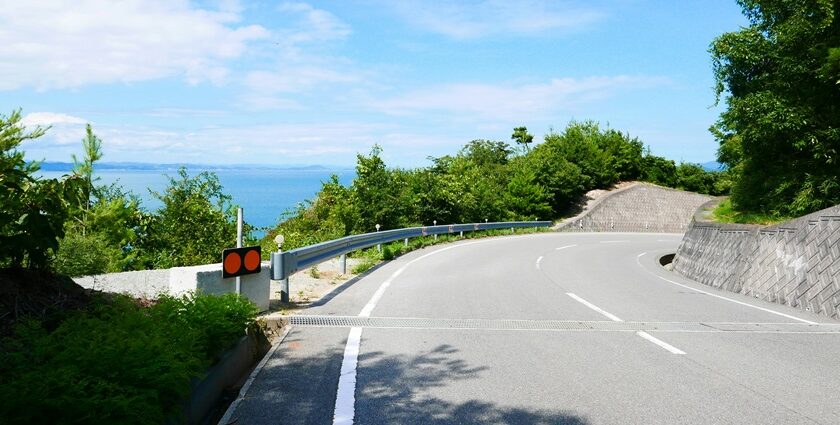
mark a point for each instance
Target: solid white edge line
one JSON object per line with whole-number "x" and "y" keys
{"x": 564, "y": 247}
{"x": 538, "y": 262}
{"x": 659, "y": 342}
{"x": 345, "y": 399}
{"x": 609, "y": 315}
{"x": 247, "y": 386}
{"x": 739, "y": 302}
{"x": 722, "y": 297}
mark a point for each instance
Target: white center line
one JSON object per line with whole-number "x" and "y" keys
{"x": 538, "y": 262}
{"x": 610, "y": 316}
{"x": 615, "y": 318}
{"x": 564, "y": 247}
{"x": 660, "y": 342}
{"x": 345, "y": 400}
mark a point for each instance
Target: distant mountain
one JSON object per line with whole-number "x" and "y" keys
{"x": 142, "y": 166}
{"x": 712, "y": 166}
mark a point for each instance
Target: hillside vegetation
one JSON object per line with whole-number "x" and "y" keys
{"x": 489, "y": 180}
{"x": 780, "y": 132}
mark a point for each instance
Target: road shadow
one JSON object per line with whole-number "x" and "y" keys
{"x": 298, "y": 386}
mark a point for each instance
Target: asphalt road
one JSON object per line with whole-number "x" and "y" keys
{"x": 558, "y": 328}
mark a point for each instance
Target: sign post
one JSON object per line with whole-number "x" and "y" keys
{"x": 238, "y": 245}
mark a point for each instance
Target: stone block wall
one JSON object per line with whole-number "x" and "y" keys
{"x": 796, "y": 263}
{"x": 640, "y": 208}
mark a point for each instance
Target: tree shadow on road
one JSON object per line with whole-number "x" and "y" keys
{"x": 400, "y": 389}
{"x": 299, "y": 387}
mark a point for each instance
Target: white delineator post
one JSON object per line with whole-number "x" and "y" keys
{"x": 238, "y": 245}
{"x": 379, "y": 245}
{"x": 434, "y": 223}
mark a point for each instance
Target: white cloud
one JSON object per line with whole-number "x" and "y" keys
{"x": 50, "y": 118}
{"x": 465, "y": 20}
{"x": 57, "y": 44}
{"x": 297, "y": 66}
{"x": 512, "y": 102}
{"x": 314, "y": 25}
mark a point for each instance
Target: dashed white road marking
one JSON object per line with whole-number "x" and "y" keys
{"x": 609, "y": 315}
{"x": 659, "y": 342}
{"x": 538, "y": 262}
{"x": 345, "y": 400}
{"x": 564, "y": 247}
{"x": 615, "y": 318}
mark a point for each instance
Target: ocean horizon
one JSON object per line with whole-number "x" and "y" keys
{"x": 265, "y": 193}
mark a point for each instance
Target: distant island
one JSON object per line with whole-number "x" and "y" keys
{"x": 143, "y": 166}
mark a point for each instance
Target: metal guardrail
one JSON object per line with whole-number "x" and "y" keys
{"x": 285, "y": 263}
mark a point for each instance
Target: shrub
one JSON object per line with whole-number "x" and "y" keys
{"x": 120, "y": 363}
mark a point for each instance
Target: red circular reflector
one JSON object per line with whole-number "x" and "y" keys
{"x": 232, "y": 263}
{"x": 252, "y": 260}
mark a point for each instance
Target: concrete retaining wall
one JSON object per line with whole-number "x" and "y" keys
{"x": 206, "y": 279}
{"x": 796, "y": 263}
{"x": 642, "y": 207}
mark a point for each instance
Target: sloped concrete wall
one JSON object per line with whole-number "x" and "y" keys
{"x": 206, "y": 279}
{"x": 640, "y": 208}
{"x": 796, "y": 263}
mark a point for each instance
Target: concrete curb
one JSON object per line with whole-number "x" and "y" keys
{"x": 226, "y": 418}
{"x": 227, "y": 372}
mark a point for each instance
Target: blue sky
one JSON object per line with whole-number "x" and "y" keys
{"x": 226, "y": 82}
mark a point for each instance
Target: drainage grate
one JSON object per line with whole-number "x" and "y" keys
{"x": 556, "y": 325}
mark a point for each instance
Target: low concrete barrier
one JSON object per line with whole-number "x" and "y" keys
{"x": 206, "y": 279}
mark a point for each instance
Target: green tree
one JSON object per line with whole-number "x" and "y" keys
{"x": 375, "y": 193}
{"x": 780, "y": 133}
{"x": 524, "y": 198}
{"x": 33, "y": 210}
{"x": 92, "y": 147}
{"x": 196, "y": 222}
{"x": 521, "y": 137}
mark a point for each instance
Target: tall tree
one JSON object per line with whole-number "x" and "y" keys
{"x": 92, "y": 147}
{"x": 780, "y": 133}
{"x": 521, "y": 137}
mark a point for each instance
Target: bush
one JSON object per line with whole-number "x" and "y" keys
{"x": 82, "y": 255}
{"x": 365, "y": 265}
{"x": 119, "y": 364}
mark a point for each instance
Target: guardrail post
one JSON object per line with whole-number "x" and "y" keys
{"x": 342, "y": 263}
{"x": 462, "y": 234}
{"x": 434, "y": 223}
{"x": 278, "y": 273}
{"x": 278, "y": 269}
{"x": 511, "y": 231}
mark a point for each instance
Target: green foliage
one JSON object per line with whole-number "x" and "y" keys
{"x": 726, "y": 213}
{"x": 92, "y": 147}
{"x": 522, "y": 137}
{"x": 33, "y": 210}
{"x": 120, "y": 364}
{"x": 196, "y": 222}
{"x": 780, "y": 133}
{"x": 484, "y": 181}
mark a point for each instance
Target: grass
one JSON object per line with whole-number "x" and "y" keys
{"x": 726, "y": 213}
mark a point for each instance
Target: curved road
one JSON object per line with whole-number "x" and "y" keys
{"x": 553, "y": 328}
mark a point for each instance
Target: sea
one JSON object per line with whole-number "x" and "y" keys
{"x": 266, "y": 196}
